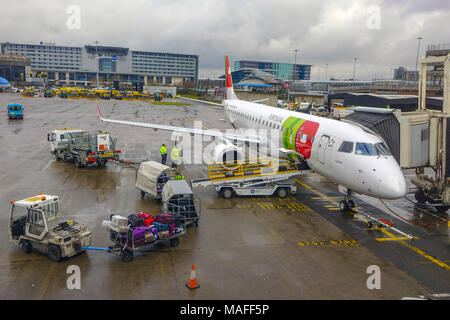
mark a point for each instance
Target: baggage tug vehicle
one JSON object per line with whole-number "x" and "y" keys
{"x": 35, "y": 224}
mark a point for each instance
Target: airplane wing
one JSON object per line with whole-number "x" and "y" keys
{"x": 202, "y": 101}
{"x": 212, "y": 133}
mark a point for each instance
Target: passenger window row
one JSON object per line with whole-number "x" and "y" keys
{"x": 258, "y": 120}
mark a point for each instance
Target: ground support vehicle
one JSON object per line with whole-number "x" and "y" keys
{"x": 252, "y": 177}
{"x": 178, "y": 199}
{"x": 73, "y": 94}
{"x": 126, "y": 244}
{"x": 91, "y": 95}
{"x": 49, "y": 93}
{"x": 35, "y": 224}
{"x": 105, "y": 95}
{"x": 28, "y": 93}
{"x": 129, "y": 96}
{"x": 62, "y": 94}
{"x": 83, "y": 147}
{"x": 151, "y": 177}
{"x": 15, "y": 111}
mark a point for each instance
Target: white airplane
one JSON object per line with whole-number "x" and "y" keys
{"x": 356, "y": 159}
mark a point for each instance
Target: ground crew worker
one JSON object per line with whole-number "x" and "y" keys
{"x": 163, "y": 152}
{"x": 174, "y": 155}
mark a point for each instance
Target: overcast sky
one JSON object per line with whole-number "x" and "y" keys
{"x": 381, "y": 34}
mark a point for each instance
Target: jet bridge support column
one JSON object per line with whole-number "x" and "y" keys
{"x": 436, "y": 190}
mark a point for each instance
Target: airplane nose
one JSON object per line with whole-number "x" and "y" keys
{"x": 393, "y": 187}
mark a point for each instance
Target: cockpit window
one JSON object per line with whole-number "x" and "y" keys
{"x": 382, "y": 149}
{"x": 346, "y": 146}
{"x": 366, "y": 149}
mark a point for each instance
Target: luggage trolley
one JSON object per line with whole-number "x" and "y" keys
{"x": 125, "y": 244}
{"x": 179, "y": 200}
{"x": 151, "y": 177}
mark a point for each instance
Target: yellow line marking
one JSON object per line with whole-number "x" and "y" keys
{"x": 329, "y": 206}
{"x": 392, "y": 239}
{"x": 416, "y": 250}
{"x": 334, "y": 209}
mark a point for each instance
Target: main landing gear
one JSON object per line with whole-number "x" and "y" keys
{"x": 347, "y": 204}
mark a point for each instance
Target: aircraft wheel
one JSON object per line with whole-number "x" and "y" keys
{"x": 77, "y": 162}
{"x": 343, "y": 206}
{"x": 351, "y": 204}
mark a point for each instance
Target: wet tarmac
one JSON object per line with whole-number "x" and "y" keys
{"x": 244, "y": 248}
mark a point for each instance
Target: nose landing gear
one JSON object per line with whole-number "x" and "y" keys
{"x": 347, "y": 204}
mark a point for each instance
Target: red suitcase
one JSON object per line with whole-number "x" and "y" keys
{"x": 148, "y": 218}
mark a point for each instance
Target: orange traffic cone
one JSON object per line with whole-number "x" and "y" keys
{"x": 192, "y": 281}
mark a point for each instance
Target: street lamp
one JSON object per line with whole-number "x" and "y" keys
{"x": 418, "y": 48}
{"x": 295, "y": 62}
{"x": 354, "y": 69}
{"x": 98, "y": 60}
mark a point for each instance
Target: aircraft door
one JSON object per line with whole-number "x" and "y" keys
{"x": 322, "y": 148}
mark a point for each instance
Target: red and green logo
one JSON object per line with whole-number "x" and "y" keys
{"x": 298, "y": 135}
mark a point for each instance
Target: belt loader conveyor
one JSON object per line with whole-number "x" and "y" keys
{"x": 250, "y": 177}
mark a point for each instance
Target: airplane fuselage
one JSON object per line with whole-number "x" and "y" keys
{"x": 340, "y": 151}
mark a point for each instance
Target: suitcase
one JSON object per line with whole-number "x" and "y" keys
{"x": 149, "y": 237}
{"x": 165, "y": 218}
{"x": 139, "y": 232}
{"x": 153, "y": 230}
{"x": 135, "y": 221}
{"x": 161, "y": 226}
{"x": 163, "y": 235}
{"x": 139, "y": 242}
{"x": 148, "y": 218}
{"x": 119, "y": 221}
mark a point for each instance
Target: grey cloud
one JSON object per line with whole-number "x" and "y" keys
{"x": 326, "y": 32}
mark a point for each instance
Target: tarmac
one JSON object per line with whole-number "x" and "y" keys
{"x": 300, "y": 247}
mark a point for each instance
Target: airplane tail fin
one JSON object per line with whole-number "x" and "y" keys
{"x": 229, "y": 92}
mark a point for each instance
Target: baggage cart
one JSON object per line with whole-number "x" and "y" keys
{"x": 151, "y": 177}
{"x": 125, "y": 244}
{"x": 178, "y": 199}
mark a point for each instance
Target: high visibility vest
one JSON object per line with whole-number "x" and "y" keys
{"x": 163, "y": 150}
{"x": 175, "y": 153}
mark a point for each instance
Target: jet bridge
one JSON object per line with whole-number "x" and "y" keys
{"x": 417, "y": 139}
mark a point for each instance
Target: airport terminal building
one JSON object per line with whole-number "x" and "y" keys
{"x": 285, "y": 71}
{"x": 65, "y": 65}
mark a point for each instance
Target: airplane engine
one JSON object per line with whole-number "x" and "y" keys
{"x": 227, "y": 153}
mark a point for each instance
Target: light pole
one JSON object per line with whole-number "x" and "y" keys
{"x": 418, "y": 48}
{"x": 326, "y": 71}
{"x": 295, "y": 62}
{"x": 354, "y": 69}
{"x": 98, "y": 60}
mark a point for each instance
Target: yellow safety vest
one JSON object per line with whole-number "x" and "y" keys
{"x": 163, "y": 150}
{"x": 175, "y": 153}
